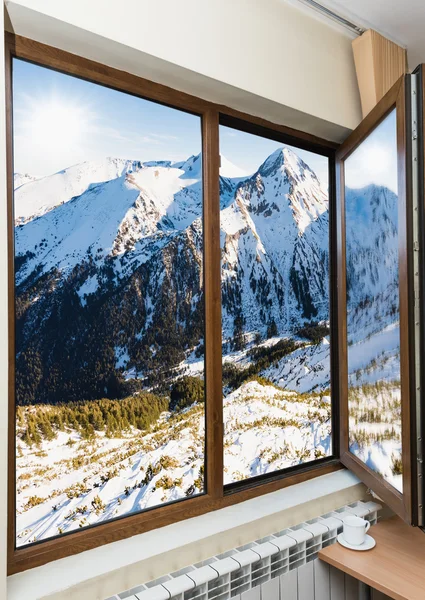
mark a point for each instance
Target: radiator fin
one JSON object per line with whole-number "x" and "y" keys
{"x": 281, "y": 566}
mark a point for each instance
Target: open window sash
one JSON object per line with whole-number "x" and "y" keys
{"x": 374, "y": 282}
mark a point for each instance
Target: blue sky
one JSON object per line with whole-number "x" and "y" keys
{"x": 249, "y": 151}
{"x": 112, "y": 123}
{"x": 61, "y": 120}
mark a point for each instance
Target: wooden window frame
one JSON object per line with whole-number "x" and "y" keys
{"x": 401, "y": 503}
{"x": 216, "y": 496}
{"x": 284, "y": 137}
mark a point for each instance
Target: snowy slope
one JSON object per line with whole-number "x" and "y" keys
{"x": 41, "y": 195}
{"x": 375, "y": 428}
{"x": 21, "y": 179}
{"x": 69, "y": 483}
{"x": 109, "y": 217}
{"x": 268, "y": 429}
{"x": 305, "y": 369}
{"x": 228, "y": 169}
{"x": 62, "y": 238}
{"x": 372, "y": 260}
{"x": 113, "y": 473}
{"x": 135, "y": 231}
{"x": 110, "y": 254}
{"x": 274, "y": 236}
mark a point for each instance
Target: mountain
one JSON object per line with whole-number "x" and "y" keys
{"x": 109, "y": 254}
{"x": 21, "y": 179}
{"x": 274, "y": 232}
{"x": 37, "y": 197}
{"x": 372, "y": 260}
{"x": 109, "y": 303}
{"x": 373, "y": 331}
{"x": 228, "y": 169}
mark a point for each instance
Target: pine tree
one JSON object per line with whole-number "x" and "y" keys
{"x": 272, "y": 329}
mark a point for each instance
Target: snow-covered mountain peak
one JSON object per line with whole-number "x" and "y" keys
{"x": 229, "y": 170}
{"x": 130, "y": 205}
{"x": 279, "y": 160}
{"x": 191, "y": 167}
{"x": 284, "y": 182}
{"x": 21, "y": 179}
{"x": 157, "y": 163}
{"x": 122, "y": 165}
{"x": 67, "y": 235}
{"x": 37, "y": 197}
{"x": 289, "y": 164}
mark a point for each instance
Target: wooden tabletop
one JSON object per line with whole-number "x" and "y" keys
{"x": 396, "y": 566}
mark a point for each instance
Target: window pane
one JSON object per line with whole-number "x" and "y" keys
{"x": 275, "y": 304}
{"x": 109, "y": 303}
{"x": 373, "y": 303}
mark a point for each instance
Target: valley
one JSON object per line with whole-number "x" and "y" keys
{"x": 110, "y": 334}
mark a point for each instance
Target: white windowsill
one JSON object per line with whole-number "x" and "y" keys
{"x": 64, "y": 573}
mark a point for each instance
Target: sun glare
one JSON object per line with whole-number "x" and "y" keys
{"x": 58, "y": 123}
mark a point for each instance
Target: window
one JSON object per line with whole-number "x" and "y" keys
{"x": 109, "y": 303}
{"x": 208, "y": 314}
{"x": 373, "y": 315}
{"x": 274, "y": 215}
{"x": 379, "y": 340}
{"x": 133, "y": 317}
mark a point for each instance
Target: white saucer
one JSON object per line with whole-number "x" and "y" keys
{"x": 368, "y": 543}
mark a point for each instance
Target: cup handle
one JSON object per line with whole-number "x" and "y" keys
{"x": 367, "y": 527}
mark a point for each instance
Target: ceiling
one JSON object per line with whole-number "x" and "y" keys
{"x": 402, "y": 21}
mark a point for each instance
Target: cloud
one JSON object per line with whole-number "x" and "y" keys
{"x": 165, "y": 137}
{"x": 100, "y": 135}
{"x": 131, "y": 137}
{"x": 375, "y": 160}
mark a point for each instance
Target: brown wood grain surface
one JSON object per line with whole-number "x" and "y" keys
{"x": 395, "y": 567}
{"x": 216, "y": 496}
{"x": 402, "y": 504}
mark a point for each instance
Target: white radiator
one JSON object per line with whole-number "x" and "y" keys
{"x": 281, "y": 566}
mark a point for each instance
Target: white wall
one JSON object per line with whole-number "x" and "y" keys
{"x": 264, "y": 57}
{"x": 99, "y": 573}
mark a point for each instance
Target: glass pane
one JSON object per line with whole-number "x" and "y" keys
{"x": 109, "y": 303}
{"x": 373, "y": 303}
{"x": 275, "y": 305}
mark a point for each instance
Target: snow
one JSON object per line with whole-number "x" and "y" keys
{"x": 254, "y": 417}
{"x": 268, "y": 429}
{"x": 305, "y": 369}
{"x": 122, "y": 357}
{"x": 383, "y": 347}
{"x": 41, "y": 195}
{"x": 90, "y": 286}
{"x": 375, "y": 428}
{"x": 68, "y": 478}
{"x": 373, "y": 330}
{"x": 228, "y": 169}
{"x": 21, "y": 179}
{"x": 275, "y": 261}
{"x": 139, "y": 208}
{"x": 69, "y": 231}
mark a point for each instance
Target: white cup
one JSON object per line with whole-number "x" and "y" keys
{"x": 355, "y": 530}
